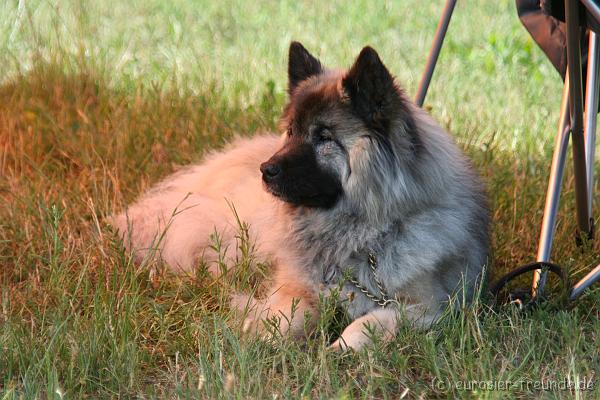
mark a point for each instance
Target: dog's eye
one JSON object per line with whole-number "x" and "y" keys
{"x": 323, "y": 134}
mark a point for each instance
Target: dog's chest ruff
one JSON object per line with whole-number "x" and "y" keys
{"x": 346, "y": 253}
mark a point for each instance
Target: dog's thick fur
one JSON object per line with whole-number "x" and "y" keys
{"x": 359, "y": 169}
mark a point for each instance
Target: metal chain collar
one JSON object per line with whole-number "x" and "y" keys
{"x": 383, "y": 300}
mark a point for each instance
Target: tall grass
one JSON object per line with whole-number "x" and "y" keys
{"x": 98, "y": 100}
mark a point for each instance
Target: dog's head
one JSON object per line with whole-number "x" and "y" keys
{"x": 342, "y": 129}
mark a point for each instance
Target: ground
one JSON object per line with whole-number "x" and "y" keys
{"x": 98, "y": 100}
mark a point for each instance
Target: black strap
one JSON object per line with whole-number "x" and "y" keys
{"x": 545, "y": 266}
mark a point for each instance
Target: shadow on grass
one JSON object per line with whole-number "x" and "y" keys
{"x": 79, "y": 317}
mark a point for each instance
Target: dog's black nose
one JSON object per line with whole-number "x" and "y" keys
{"x": 269, "y": 170}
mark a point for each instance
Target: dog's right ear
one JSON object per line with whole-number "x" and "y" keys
{"x": 372, "y": 90}
{"x": 301, "y": 65}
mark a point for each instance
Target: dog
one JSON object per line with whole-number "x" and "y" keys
{"x": 362, "y": 194}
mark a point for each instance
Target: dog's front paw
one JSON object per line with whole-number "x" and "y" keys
{"x": 350, "y": 341}
{"x": 381, "y": 323}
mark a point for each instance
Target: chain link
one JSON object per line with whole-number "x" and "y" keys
{"x": 383, "y": 300}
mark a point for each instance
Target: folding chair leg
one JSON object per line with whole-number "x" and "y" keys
{"x": 591, "y": 107}
{"x": 576, "y": 107}
{"x": 557, "y": 168}
{"x": 583, "y": 148}
{"x": 587, "y": 281}
{"x": 434, "y": 52}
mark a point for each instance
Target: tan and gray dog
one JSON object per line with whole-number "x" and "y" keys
{"x": 363, "y": 192}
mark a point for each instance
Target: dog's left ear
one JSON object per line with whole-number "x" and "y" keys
{"x": 301, "y": 65}
{"x": 371, "y": 90}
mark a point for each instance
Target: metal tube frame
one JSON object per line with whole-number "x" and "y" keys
{"x": 557, "y": 169}
{"x": 593, "y": 8}
{"x": 571, "y": 123}
{"x": 576, "y": 108}
{"x": 591, "y": 107}
{"x": 584, "y": 138}
{"x": 434, "y": 52}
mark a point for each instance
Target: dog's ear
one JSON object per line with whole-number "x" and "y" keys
{"x": 301, "y": 65}
{"x": 371, "y": 89}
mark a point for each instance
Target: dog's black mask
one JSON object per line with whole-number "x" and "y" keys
{"x": 294, "y": 175}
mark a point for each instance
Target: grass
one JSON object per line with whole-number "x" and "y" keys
{"x": 98, "y": 100}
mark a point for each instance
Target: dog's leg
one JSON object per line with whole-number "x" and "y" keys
{"x": 383, "y": 321}
{"x": 289, "y": 309}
